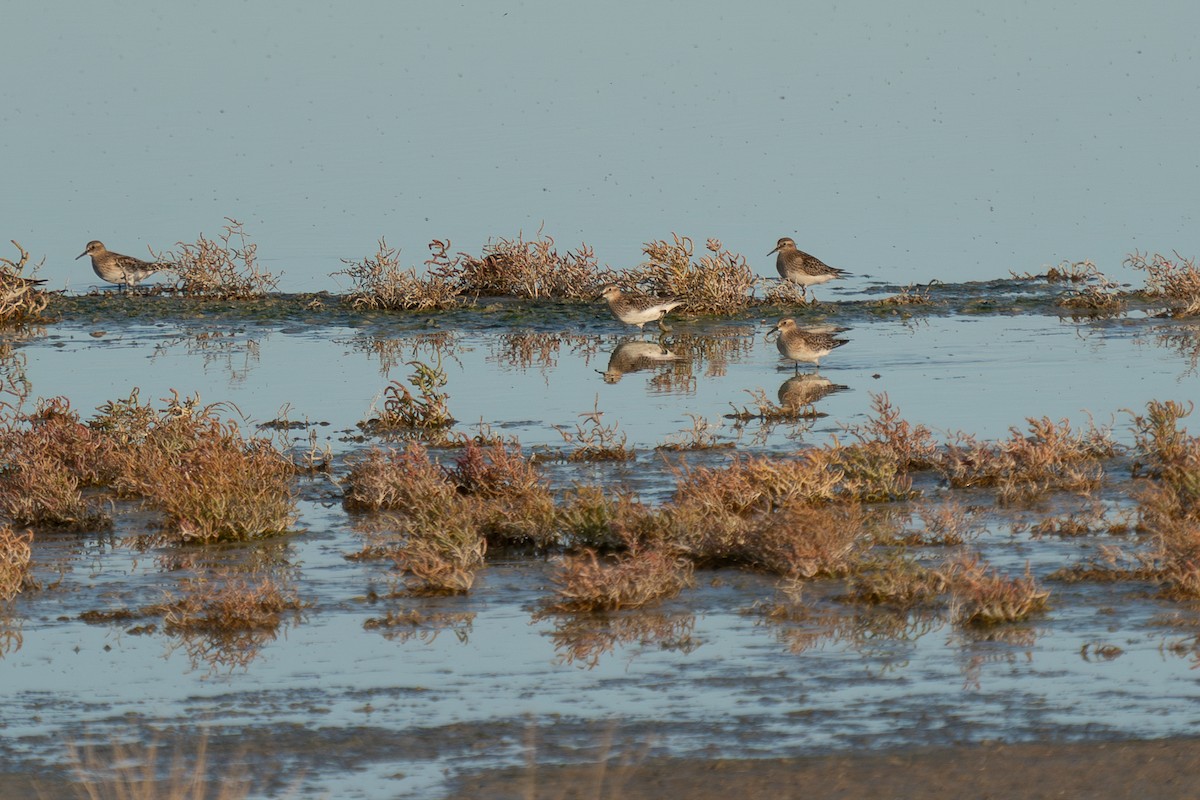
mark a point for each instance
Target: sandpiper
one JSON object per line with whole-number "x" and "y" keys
{"x": 638, "y": 309}
{"x": 116, "y": 268}
{"x": 803, "y": 345}
{"x": 799, "y": 267}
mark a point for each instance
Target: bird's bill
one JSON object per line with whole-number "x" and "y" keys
{"x": 776, "y": 250}
{"x": 81, "y": 255}
{"x": 773, "y": 330}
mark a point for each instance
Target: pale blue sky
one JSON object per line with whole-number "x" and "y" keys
{"x": 903, "y": 141}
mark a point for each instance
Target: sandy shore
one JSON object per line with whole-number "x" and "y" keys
{"x": 1147, "y": 770}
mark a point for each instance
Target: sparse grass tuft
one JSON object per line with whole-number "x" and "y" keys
{"x": 225, "y": 269}
{"x": 1177, "y": 281}
{"x": 701, "y": 436}
{"x": 404, "y": 411}
{"x": 380, "y": 284}
{"x": 595, "y": 441}
{"x": 761, "y": 408}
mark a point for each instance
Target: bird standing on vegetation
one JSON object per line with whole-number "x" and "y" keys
{"x": 801, "y": 345}
{"x": 119, "y": 269}
{"x": 801, "y": 268}
{"x": 638, "y": 309}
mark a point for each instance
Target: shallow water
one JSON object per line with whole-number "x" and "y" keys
{"x": 381, "y": 713}
{"x": 903, "y": 143}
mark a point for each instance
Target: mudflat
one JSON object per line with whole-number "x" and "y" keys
{"x": 1149, "y": 770}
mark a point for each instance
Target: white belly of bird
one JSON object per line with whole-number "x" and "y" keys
{"x": 805, "y": 279}
{"x": 798, "y": 350}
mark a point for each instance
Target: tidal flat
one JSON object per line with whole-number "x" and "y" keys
{"x": 1044, "y": 444}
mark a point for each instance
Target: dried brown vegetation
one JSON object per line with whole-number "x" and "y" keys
{"x": 48, "y": 457}
{"x": 1175, "y": 280}
{"x": 1051, "y": 457}
{"x": 898, "y": 581}
{"x": 209, "y": 481}
{"x": 532, "y": 269}
{"x": 910, "y": 295}
{"x": 1169, "y": 498}
{"x": 719, "y": 282}
{"x": 592, "y": 440}
{"x": 15, "y": 558}
{"x": 404, "y": 411}
{"x": 229, "y": 603}
{"x": 206, "y": 479}
{"x": 982, "y": 596}
{"x": 589, "y": 582}
{"x": 21, "y": 300}
{"x": 442, "y": 518}
{"x": 222, "y": 269}
{"x": 223, "y": 619}
{"x": 380, "y": 284}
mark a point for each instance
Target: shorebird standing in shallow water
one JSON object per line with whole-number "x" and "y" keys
{"x": 116, "y": 268}
{"x": 801, "y": 345}
{"x": 801, "y": 268}
{"x": 638, "y": 309}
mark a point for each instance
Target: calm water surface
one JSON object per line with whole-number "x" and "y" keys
{"x": 701, "y": 674}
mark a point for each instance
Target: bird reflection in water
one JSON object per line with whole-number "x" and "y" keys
{"x": 632, "y": 355}
{"x": 806, "y": 389}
